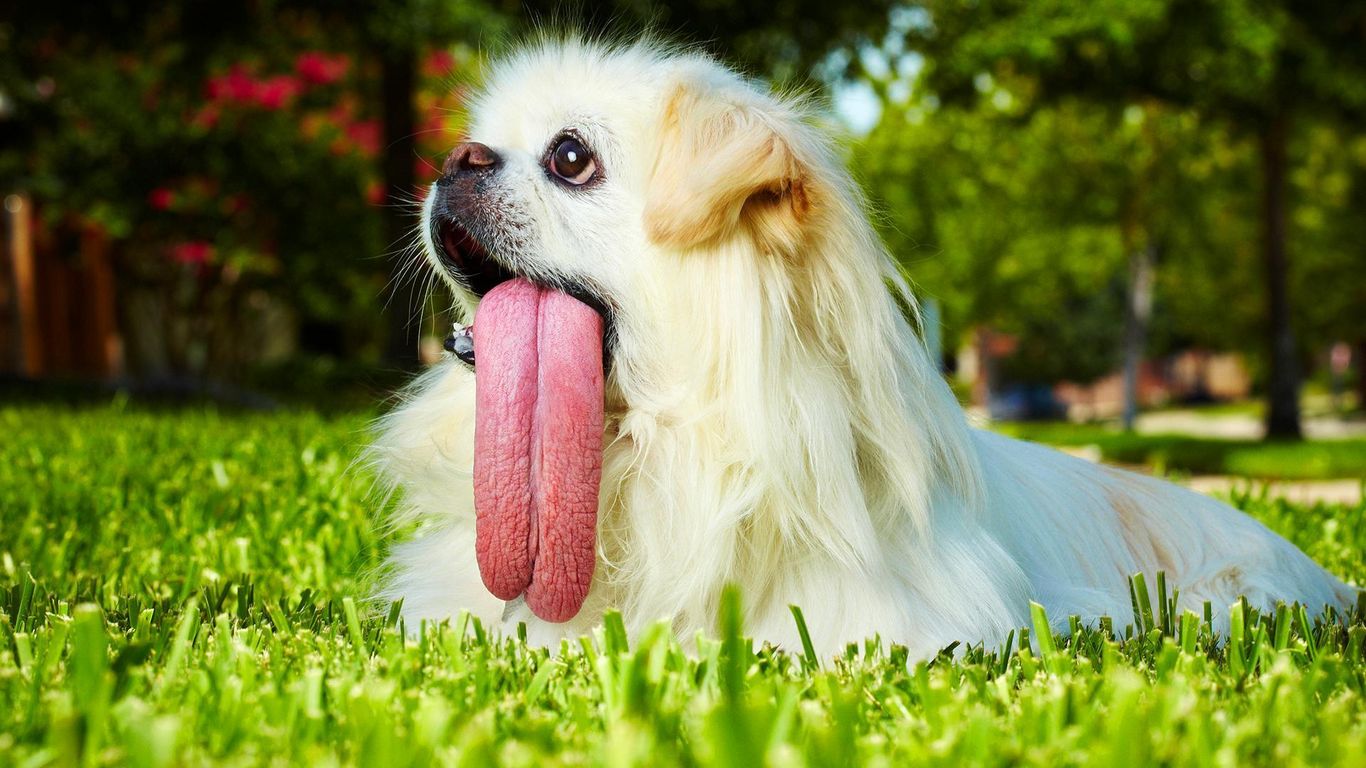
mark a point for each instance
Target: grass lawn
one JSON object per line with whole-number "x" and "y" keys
{"x": 1308, "y": 460}
{"x": 181, "y": 588}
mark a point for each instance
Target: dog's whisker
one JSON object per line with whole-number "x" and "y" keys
{"x": 411, "y": 261}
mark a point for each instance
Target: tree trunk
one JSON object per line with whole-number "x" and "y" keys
{"x": 26, "y": 329}
{"x": 1283, "y": 381}
{"x": 104, "y": 345}
{"x": 398, "y": 76}
{"x": 1138, "y": 311}
{"x": 932, "y": 332}
{"x": 984, "y": 389}
{"x": 1359, "y": 360}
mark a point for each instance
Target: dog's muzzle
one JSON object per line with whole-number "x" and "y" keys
{"x": 462, "y": 216}
{"x": 465, "y": 216}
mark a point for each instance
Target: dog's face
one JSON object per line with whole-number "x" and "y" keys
{"x": 549, "y": 191}
{"x": 585, "y": 167}
{"x": 659, "y": 192}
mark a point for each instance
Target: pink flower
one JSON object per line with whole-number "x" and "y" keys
{"x": 216, "y": 89}
{"x": 161, "y": 198}
{"x": 195, "y": 252}
{"x": 434, "y": 128}
{"x": 277, "y": 92}
{"x": 425, "y": 171}
{"x": 206, "y": 118}
{"x": 365, "y": 135}
{"x": 374, "y": 193}
{"x": 237, "y": 85}
{"x": 318, "y": 68}
{"x": 439, "y": 62}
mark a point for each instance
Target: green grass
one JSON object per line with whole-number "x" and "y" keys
{"x": 1308, "y": 460}
{"x": 1252, "y": 408}
{"x": 182, "y": 588}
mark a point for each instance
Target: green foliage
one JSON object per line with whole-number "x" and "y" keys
{"x": 1329, "y": 227}
{"x": 1025, "y": 149}
{"x": 230, "y": 157}
{"x": 784, "y": 40}
{"x": 975, "y": 210}
{"x": 1244, "y": 59}
{"x": 184, "y": 588}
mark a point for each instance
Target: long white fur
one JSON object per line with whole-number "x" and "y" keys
{"x": 773, "y": 421}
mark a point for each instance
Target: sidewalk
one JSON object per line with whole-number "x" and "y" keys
{"x": 1343, "y": 491}
{"x": 1296, "y": 491}
{"x": 1239, "y": 426}
{"x": 1249, "y": 427}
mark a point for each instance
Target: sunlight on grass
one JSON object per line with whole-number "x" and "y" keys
{"x": 186, "y": 587}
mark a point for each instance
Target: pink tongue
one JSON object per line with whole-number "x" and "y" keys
{"x": 537, "y": 445}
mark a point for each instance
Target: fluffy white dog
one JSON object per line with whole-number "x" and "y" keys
{"x": 692, "y": 367}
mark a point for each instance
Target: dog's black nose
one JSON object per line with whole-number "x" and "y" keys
{"x": 470, "y": 156}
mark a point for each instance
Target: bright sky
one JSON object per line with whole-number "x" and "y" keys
{"x": 857, "y": 106}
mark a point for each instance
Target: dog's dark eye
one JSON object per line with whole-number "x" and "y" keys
{"x": 571, "y": 161}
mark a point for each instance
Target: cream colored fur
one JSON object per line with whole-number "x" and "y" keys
{"x": 772, "y": 420}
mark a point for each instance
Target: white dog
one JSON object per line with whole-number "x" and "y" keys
{"x": 692, "y": 368}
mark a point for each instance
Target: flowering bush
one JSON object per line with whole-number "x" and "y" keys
{"x": 251, "y": 177}
{"x": 193, "y": 252}
{"x": 319, "y": 68}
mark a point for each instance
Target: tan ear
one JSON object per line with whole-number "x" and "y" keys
{"x": 723, "y": 165}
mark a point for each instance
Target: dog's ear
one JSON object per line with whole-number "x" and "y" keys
{"x": 723, "y": 165}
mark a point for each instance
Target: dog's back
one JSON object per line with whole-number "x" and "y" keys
{"x": 1080, "y": 530}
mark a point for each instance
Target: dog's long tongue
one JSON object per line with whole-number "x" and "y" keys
{"x": 538, "y": 445}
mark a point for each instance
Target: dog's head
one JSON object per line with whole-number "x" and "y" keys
{"x": 587, "y": 166}
{"x": 654, "y": 214}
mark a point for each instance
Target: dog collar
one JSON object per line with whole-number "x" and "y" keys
{"x": 461, "y": 344}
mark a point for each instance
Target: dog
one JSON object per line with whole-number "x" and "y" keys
{"x": 694, "y": 364}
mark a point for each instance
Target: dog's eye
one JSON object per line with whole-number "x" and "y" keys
{"x": 571, "y": 161}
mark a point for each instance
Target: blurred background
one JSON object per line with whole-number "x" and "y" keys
{"x": 1141, "y": 214}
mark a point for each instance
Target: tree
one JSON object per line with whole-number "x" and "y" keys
{"x": 1259, "y": 66}
{"x": 1022, "y": 217}
{"x": 393, "y": 34}
{"x": 246, "y": 167}
{"x": 802, "y": 42}
{"x": 971, "y": 207}
{"x": 119, "y": 125}
{"x": 1330, "y": 191}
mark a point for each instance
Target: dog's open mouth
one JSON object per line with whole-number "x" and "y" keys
{"x": 537, "y": 434}
{"x": 481, "y": 273}
{"x": 468, "y": 258}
